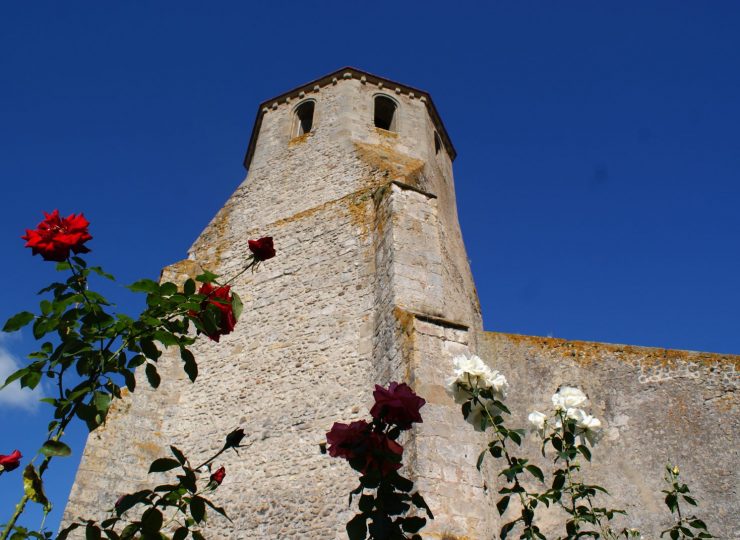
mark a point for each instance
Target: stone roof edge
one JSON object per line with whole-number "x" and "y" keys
{"x": 555, "y": 342}
{"x": 341, "y": 74}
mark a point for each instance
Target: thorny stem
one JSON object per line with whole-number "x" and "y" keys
{"x": 509, "y": 460}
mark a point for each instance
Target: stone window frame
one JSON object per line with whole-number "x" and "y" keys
{"x": 396, "y": 123}
{"x": 295, "y": 121}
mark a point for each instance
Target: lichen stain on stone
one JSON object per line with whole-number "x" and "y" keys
{"x": 215, "y": 235}
{"x": 385, "y": 133}
{"x": 149, "y": 448}
{"x": 390, "y": 163}
{"x": 180, "y": 271}
{"x": 586, "y": 353}
{"x": 300, "y": 139}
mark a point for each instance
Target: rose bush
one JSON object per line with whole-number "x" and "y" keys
{"x": 221, "y": 320}
{"x": 371, "y": 448}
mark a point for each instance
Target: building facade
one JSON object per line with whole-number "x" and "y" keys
{"x": 352, "y": 176}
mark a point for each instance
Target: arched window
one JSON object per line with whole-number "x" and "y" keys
{"x": 303, "y": 121}
{"x": 385, "y": 113}
{"x": 437, "y": 143}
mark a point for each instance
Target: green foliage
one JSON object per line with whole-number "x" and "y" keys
{"x": 685, "y": 526}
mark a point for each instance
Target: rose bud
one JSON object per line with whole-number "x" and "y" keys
{"x": 262, "y": 249}
{"x": 10, "y": 462}
{"x": 218, "y": 476}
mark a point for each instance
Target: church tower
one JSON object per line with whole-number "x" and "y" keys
{"x": 352, "y": 176}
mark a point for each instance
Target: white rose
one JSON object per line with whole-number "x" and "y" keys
{"x": 537, "y": 422}
{"x": 459, "y": 391}
{"x": 568, "y": 397}
{"x": 591, "y": 429}
{"x": 498, "y": 383}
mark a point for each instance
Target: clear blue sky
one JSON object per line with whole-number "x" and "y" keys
{"x": 598, "y": 175}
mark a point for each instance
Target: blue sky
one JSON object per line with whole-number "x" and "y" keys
{"x": 598, "y": 170}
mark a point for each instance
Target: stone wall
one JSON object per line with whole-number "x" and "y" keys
{"x": 658, "y": 406}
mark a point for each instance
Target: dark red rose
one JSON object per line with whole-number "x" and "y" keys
{"x": 10, "y": 462}
{"x": 397, "y": 404}
{"x": 262, "y": 249}
{"x": 385, "y": 454}
{"x": 366, "y": 450}
{"x": 348, "y": 440}
{"x": 56, "y": 236}
{"x": 218, "y": 476}
{"x": 221, "y": 298}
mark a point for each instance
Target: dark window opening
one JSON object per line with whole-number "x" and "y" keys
{"x": 385, "y": 113}
{"x": 437, "y": 143}
{"x": 304, "y": 118}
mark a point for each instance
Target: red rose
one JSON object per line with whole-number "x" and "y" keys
{"x": 8, "y": 463}
{"x": 218, "y": 476}
{"x": 221, "y": 298}
{"x": 56, "y": 236}
{"x": 366, "y": 450}
{"x": 385, "y": 454}
{"x": 348, "y": 440}
{"x": 397, "y": 405}
{"x": 262, "y": 249}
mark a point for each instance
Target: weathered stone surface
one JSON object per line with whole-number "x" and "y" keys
{"x": 371, "y": 284}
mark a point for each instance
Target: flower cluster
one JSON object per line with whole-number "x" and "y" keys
{"x": 370, "y": 447}
{"x": 10, "y": 462}
{"x": 475, "y": 383}
{"x": 567, "y": 403}
{"x": 56, "y": 236}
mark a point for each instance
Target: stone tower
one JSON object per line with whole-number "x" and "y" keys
{"x": 352, "y": 176}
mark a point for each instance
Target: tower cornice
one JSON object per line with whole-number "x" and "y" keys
{"x": 335, "y": 77}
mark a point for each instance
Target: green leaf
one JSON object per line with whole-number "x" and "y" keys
{"x": 92, "y": 532}
{"x": 413, "y": 524}
{"x": 167, "y": 289}
{"x": 479, "y": 463}
{"x": 357, "y": 527}
{"x": 18, "y": 321}
{"x": 152, "y": 520}
{"x": 14, "y": 376}
{"x": 191, "y": 367}
{"x": 34, "y": 488}
{"x": 218, "y": 509}
{"x": 130, "y": 500}
{"x": 166, "y": 338}
{"x": 197, "y": 509}
{"x": 64, "y": 533}
{"x": 178, "y": 454}
{"x": 421, "y": 504}
{"x": 585, "y": 451}
{"x": 152, "y": 375}
{"x": 144, "y": 285}
{"x": 698, "y": 524}
{"x": 55, "y": 448}
{"x": 206, "y": 277}
{"x": 502, "y": 504}
{"x": 181, "y": 533}
{"x": 197, "y": 535}
{"x": 366, "y": 504}
{"x": 163, "y": 465}
{"x": 189, "y": 287}
{"x": 236, "y": 305}
{"x": 150, "y": 349}
{"x": 689, "y": 500}
{"x": 536, "y": 472}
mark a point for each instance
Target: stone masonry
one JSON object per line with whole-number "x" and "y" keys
{"x": 371, "y": 284}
